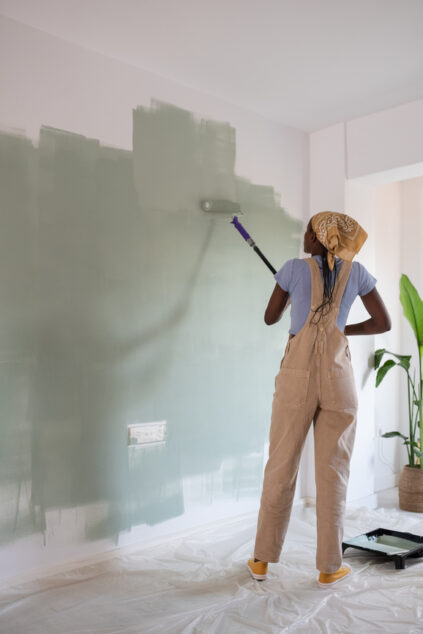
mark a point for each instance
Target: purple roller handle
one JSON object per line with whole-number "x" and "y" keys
{"x": 251, "y": 242}
{"x": 241, "y": 229}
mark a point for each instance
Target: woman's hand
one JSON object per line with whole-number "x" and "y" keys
{"x": 279, "y": 300}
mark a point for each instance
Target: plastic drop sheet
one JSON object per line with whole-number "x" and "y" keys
{"x": 200, "y": 583}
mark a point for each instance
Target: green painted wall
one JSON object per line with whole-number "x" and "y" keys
{"x": 121, "y": 302}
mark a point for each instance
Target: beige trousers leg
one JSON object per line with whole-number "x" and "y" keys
{"x": 302, "y": 396}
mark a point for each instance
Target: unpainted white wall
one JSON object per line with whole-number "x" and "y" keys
{"x": 371, "y": 168}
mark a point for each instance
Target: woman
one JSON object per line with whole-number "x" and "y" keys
{"x": 316, "y": 383}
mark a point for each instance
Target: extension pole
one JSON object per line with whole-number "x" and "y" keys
{"x": 251, "y": 242}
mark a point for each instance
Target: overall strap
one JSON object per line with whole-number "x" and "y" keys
{"x": 341, "y": 282}
{"x": 316, "y": 283}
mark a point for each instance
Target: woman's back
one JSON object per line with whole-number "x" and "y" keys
{"x": 294, "y": 278}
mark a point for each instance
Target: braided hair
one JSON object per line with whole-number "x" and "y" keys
{"x": 328, "y": 286}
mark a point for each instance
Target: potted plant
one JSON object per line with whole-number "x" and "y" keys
{"x": 410, "y": 486}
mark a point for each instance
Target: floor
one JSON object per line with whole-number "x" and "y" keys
{"x": 201, "y": 584}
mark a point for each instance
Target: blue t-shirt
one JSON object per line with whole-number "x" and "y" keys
{"x": 295, "y": 278}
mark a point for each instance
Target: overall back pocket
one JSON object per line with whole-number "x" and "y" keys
{"x": 291, "y": 386}
{"x": 342, "y": 392}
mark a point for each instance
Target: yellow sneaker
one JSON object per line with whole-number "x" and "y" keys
{"x": 258, "y": 569}
{"x": 327, "y": 579}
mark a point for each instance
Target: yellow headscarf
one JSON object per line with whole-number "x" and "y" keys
{"x": 339, "y": 233}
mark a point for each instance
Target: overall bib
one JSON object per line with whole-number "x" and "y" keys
{"x": 315, "y": 383}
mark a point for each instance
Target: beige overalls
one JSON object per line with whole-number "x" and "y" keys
{"x": 315, "y": 382}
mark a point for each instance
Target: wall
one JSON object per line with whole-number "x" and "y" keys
{"x": 371, "y": 167}
{"x": 386, "y": 145}
{"x": 411, "y": 193}
{"x": 123, "y": 302}
{"x": 387, "y": 211}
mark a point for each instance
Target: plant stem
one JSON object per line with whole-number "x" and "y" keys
{"x": 421, "y": 403}
{"x": 411, "y": 424}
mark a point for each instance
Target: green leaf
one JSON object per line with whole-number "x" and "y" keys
{"x": 378, "y": 357}
{"x": 412, "y": 306}
{"x": 404, "y": 360}
{"x": 383, "y": 370}
{"x": 390, "y": 434}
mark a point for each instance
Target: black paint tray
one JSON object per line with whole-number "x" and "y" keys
{"x": 399, "y": 546}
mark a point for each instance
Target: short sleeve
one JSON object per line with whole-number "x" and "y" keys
{"x": 366, "y": 281}
{"x": 284, "y": 276}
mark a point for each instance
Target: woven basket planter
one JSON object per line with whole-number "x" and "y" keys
{"x": 410, "y": 489}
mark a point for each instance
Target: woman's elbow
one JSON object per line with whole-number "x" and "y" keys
{"x": 384, "y": 326}
{"x": 388, "y": 325}
{"x": 268, "y": 319}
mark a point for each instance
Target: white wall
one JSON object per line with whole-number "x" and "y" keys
{"x": 411, "y": 196}
{"x": 387, "y": 232}
{"x": 398, "y": 210}
{"x": 327, "y": 169}
{"x": 46, "y": 81}
{"x": 386, "y": 141}
{"x": 355, "y": 167}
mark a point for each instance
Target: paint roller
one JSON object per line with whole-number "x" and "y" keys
{"x": 227, "y": 207}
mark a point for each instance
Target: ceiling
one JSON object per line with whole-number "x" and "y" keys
{"x": 305, "y": 63}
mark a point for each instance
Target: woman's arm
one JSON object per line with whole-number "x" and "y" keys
{"x": 277, "y": 304}
{"x": 380, "y": 320}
